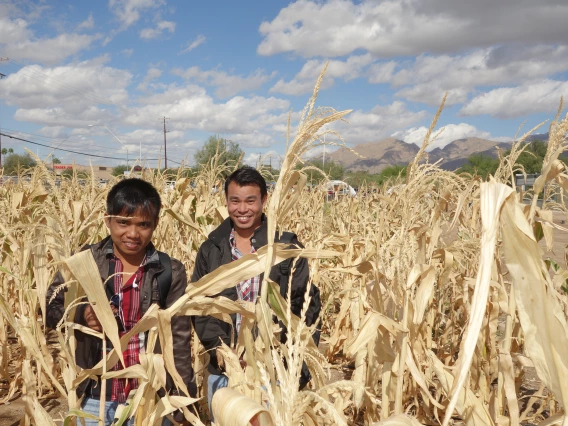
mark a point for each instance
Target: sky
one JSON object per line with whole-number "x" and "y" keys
{"x": 98, "y": 78}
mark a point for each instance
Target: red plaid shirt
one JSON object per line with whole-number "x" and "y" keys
{"x": 129, "y": 312}
{"x": 248, "y": 289}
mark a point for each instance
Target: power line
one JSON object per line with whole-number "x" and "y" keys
{"x": 177, "y": 162}
{"x": 68, "y": 150}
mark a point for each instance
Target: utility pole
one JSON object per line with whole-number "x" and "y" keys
{"x": 323, "y": 166}
{"x": 2, "y": 76}
{"x": 165, "y": 150}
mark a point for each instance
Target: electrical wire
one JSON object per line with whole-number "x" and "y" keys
{"x": 68, "y": 150}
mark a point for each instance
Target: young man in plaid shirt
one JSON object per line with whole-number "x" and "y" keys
{"x": 243, "y": 232}
{"x": 133, "y": 208}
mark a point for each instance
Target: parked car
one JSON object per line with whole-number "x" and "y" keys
{"x": 338, "y": 188}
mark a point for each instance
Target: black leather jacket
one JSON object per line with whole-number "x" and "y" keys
{"x": 216, "y": 251}
{"x": 88, "y": 352}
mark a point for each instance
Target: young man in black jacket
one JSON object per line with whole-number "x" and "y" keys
{"x": 243, "y": 232}
{"x": 133, "y": 208}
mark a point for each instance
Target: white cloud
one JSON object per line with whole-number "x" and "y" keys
{"x": 429, "y": 77}
{"x": 87, "y": 24}
{"x": 193, "y": 44}
{"x": 248, "y": 121}
{"x": 382, "y": 72}
{"x": 161, "y": 26}
{"x": 18, "y": 42}
{"x": 379, "y": 123}
{"x": 270, "y": 157}
{"x": 446, "y": 134}
{"x": 507, "y": 102}
{"x": 432, "y": 94}
{"x": 152, "y": 74}
{"x": 402, "y": 28}
{"x": 305, "y": 80}
{"x": 53, "y": 131}
{"x": 67, "y": 95}
{"x": 127, "y": 52}
{"x": 256, "y": 139}
{"x": 128, "y": 11}
{"x": 227, "y": 85}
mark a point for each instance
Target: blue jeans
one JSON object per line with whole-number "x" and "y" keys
{"x": 91, "y": 406}
{"x": 214, "y": 383}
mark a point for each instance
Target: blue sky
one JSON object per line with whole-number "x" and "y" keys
{"x": 238, "y": 68}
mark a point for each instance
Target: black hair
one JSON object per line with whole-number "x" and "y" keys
{"x": 245, "y": 176}
{"x": 129, "y": 195}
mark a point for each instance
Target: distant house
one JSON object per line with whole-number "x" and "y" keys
{"x": 525, "y": 183}
{"x": 101, "y": 172}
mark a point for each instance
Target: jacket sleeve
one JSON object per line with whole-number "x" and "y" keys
{"x": 181, "y": 328}
{"x": 211, "y": 331}
{"x": 56, "y": 308}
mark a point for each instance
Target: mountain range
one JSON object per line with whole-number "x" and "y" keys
{"x": 375, "y": 156}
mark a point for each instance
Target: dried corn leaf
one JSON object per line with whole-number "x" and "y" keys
{"x": 492, "y": 198}
{"x": 83, "y": 267}
{"x": 540, "y": 313}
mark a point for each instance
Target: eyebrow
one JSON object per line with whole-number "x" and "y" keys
{"x": 131, "y": 218}
{"x": 248, "y": 197}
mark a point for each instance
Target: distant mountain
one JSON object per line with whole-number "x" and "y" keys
{"x": 538, "y": 137}
{"x": 391, "y": 151}
{"x": 377, "y": 155}
{"x": 455, "y": 154}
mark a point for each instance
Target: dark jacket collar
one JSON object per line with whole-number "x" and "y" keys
{"x": 104, "y": 248}
{"x": 220, "y": 235}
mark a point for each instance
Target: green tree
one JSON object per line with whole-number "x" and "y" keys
{"x": 391, "y": 172}
{"x": 56, "y": 160}
{"x": 358, "y": 178}
{"x": 14, "y": 163}
{"x": 480, "y": 165}
{"x": 229, "y": 152}
{"x": 333, "y": 170}
{"x": 532, "y": 157}
{"x": 119, "y": 170}
{"x": 5, "y": 152}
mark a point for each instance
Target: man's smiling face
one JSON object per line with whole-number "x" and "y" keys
{"x": 131, "y": 234}
{"x": 245, "y": 205}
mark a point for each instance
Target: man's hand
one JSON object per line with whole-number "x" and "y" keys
{"x": 91, "y": 319}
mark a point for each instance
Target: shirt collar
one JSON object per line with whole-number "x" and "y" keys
{"x": 232, "y": 240}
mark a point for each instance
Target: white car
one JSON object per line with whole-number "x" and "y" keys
{"x": 337, "y": 188}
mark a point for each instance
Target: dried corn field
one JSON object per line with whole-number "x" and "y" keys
{"x": 437, "y": 298}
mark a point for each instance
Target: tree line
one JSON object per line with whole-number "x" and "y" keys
{"x": 231, "y": 155}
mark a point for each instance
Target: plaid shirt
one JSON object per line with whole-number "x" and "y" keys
{"x": 129, "y": 312}
{"x": 248, "y": 289}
